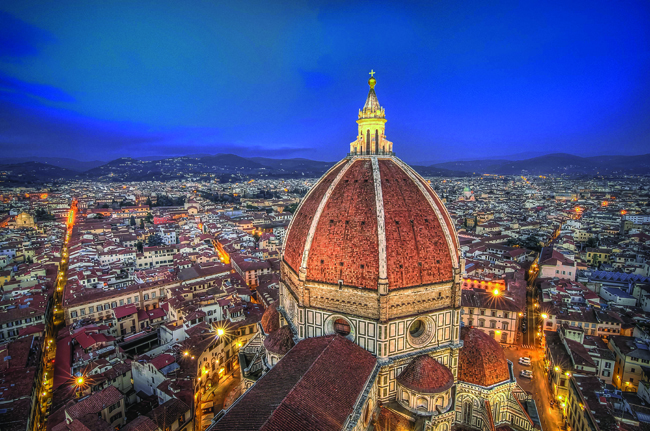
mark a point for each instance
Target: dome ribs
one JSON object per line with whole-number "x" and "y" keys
{"x": 299, "y": 228}
{"x": 347, "y": 232}
{"x": 416, "y": 249}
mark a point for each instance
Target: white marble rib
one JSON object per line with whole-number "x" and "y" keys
{"x": 319, "y": 211}
{"x": 381, "y": 222}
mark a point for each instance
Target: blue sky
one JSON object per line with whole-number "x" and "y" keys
{"x": 459, "y": 80}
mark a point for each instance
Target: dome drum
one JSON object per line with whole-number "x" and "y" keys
{"x": 424, "y": 404}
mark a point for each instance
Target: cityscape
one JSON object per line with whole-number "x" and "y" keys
{"x": 213, "y": 288}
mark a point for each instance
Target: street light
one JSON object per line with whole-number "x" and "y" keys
{"x": 220, "y": 331}
{"x": 544, "y": 316}
{"x": 496, "y": 292}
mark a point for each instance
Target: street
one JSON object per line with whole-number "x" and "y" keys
{"x": 538, "y": 387}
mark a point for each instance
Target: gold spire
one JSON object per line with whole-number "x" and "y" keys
{"x": 372, "y": 81}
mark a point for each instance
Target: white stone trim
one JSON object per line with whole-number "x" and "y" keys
{"x": 381, "y": 221}
{"x": 450, "y": 241}
{"x": 319, "y": 211}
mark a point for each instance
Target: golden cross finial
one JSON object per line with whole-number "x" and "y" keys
{"x": 372, "y": 73}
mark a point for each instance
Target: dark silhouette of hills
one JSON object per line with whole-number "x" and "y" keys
{"x": 556, "y": 164}
{"x": 231, "y": 167}
{"x": 34, "y": 172}
{"x": 61, "y": 162}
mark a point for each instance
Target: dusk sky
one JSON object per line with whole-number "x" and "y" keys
{"x": 459, "y": 80}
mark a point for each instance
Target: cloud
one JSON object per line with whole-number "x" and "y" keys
{"x": 16, "y": 88}
{"x": 19, "y": 39}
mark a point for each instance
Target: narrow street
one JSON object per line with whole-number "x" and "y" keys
{"x": 55, "y": 322}
{"x": 537, "y": 387}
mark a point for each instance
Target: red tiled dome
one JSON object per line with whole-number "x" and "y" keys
{"x": 271, "y": 318}
{"x": 426, "y": 375}
{"x": 280, "y": 341}
{"x": 344, "y": 231}
{"x": 481, "y": 361}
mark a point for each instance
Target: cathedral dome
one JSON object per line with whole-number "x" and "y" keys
{"x": 271, "y": 319}
{"x": 369, "y": 220}
{"x": 280, "y": 341}
{"x": 481, "y": 360}
{"x": 426, "y": 375}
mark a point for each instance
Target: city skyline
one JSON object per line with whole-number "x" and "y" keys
{"x": 94, "y": 82}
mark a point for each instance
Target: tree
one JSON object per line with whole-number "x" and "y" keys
{"x": 154, "y": 240}
{"x": 43, "y": 215}
{"x": 592, "y": 242}
{"x": 148, "y": 203}
{"x": 149, "y": 218}
{"x": 291, "y": 208}
{"x": 105, "y": 206}
{"x": 132, "y": 221}
{"x": 139, "y": 246}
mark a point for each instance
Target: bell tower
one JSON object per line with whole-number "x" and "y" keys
{"x": 371, "y": 138}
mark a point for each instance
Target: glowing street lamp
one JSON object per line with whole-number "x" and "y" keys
{"x": 220, "y": 331}
{"x": 496, "y": 292}
{"x": 80, "y": 381}
{"x": 544, "y": 316}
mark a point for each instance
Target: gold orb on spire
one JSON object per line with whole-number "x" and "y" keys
{"x": 372, "y": 81}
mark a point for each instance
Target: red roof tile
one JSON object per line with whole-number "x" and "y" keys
{"x": 481, "y": 361}
{"x": 271, "y": 318}
{"x": 426, "y": 375}
{"x": 280, "y": 341}
{"x": 345, "y": 245}
{"x": 314, "y": 387}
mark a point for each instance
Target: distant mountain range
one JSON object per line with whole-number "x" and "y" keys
{"x": 61, "y": 162}
{"x": 556, "y": 164}
{"x": 230, "y": 167}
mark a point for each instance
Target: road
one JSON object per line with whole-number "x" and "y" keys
{"x": 538, "y": 387}
{"x": 55, "y": 322}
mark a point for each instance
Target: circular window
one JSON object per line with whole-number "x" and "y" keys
{"x": 342, "y": 327}
{"x": 421, "y": 331}
{"x": 417, "y": 329}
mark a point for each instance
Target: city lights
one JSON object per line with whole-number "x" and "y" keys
{"x": 544, "y": 316}
{"x": 496, "y": 292}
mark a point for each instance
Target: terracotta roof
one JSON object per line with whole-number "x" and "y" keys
{"x": 166, "y": 414}
{"x": 280, "y": 341}
{"x": 96, "y": 402}
{"x": 315, "y": 387}
{"x": 141, "y": 423}
{"x": 271, "y": 318}
{"x": 345, "y": 244}
{"x": 481, "y": 361}
{"x": 426, "y": 375}
{"x": 161, "y": 361}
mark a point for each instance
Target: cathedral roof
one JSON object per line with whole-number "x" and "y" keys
{"x": 314, "y": 387}
{"x": 481, "y": 360}
{"x": 279, "y": 341}
{"x": 372, "y": 218}
{"x": 426, "y": 375}
{"x": 271, "y": 318}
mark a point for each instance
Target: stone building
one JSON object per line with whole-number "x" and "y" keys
{"x": 370, "y": 294}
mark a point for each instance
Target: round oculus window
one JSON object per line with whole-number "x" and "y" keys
{"x": 421, "y": 331}
{"x": 342, "y": 327}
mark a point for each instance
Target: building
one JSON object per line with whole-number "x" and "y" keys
{"x": 495, "y": 314}
{"x": 632, "y": 356}
{"x": 367, "y": 331}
